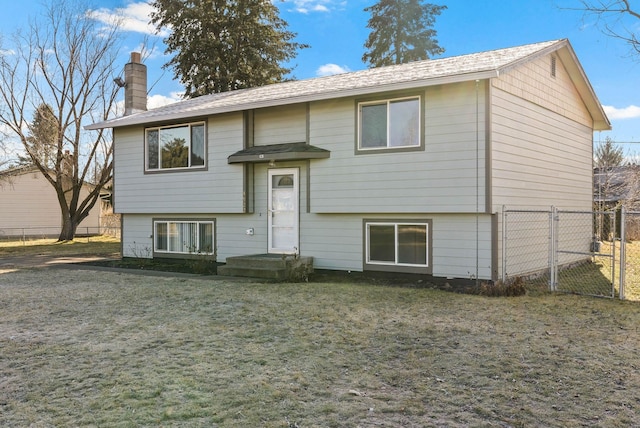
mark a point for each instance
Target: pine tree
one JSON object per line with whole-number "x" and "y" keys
{"x": 223, "y": 45}
{"x": 608, "y": 155}
{"x": 401, "y": 31}
{"x": 42, "y": 141}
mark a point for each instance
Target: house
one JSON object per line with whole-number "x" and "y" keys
{"x": 615, "y": 186}
{"x": 403, "y": 168}
{"x": 29, "y": 206}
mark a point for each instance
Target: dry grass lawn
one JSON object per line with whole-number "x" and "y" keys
{"x": 94, "y": 245}
{"x": 89, "y": 348}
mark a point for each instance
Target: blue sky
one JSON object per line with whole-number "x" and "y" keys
{"x": 336, "y": 31}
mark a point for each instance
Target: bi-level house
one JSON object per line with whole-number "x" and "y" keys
{"x": 402, "y": 168}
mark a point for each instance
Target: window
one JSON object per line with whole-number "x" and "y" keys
{"x": 389, "y": 124}
{"x": 184, "y": 237}
{"x": 397, "y": 243}
{"x": 175, "y": 147}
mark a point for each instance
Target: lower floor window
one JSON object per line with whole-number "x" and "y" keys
{"x": 183, "y": 237}
{"x": 401, "y": 244}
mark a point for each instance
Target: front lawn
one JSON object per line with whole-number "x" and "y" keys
{"x": 106, "y": 246}
{"x": 88, "y": 348}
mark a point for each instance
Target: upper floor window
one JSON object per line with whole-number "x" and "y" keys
{"x": 172, "y": 147}
{"x": 389, "y": 124}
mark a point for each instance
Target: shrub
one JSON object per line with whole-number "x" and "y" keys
{"x": 515, "y": 287}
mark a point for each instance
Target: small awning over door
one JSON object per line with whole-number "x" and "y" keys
{"x": 279, "y": 152}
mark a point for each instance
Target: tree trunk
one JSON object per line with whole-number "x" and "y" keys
{"x": 68, "y": 231}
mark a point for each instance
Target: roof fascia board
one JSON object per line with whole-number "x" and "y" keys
{"x": 170, "y": 117}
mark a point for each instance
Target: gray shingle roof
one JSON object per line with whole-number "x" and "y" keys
{"x": 481, "y": 65}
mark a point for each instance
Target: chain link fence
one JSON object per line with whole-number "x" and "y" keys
{"x": 27, "y": 234}
{"x": 566, "y": 251}
{"x": 527, "y": 246}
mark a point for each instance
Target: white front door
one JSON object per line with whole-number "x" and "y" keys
{"x": 283, "y": 211}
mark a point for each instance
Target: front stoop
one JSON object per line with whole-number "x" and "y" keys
{"x": 268, "y": 266}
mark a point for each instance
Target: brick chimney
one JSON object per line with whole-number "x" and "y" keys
{"x": 135, "y": 89}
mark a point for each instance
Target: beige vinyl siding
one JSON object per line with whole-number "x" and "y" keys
{"x": 441, "y": 178}
{"x": 277, "y": 125}
{"x": 217, "y": 189}
{"x": 29, "y": 201}
{"x": 533, "y": 82}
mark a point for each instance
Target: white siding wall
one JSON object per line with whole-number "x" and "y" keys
{"x": 442, "y": 178}
{"x": 29, "y": 201}
{"x": 218, "y": 189}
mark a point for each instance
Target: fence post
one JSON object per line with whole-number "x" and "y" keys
{"x": 504, "y": 244}
{"x": 553, "y": 248}
{"x": 623, "y": 252}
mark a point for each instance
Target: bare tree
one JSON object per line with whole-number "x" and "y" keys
{"x": 64, "y": 60}
{"x": 619, "y": 19}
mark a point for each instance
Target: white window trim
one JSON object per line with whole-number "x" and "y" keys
{"x": 395, "y": 224}
{"x": 388, "y": 103}
{"x": 198, "y": 222}
{"x": 178, "y": 125}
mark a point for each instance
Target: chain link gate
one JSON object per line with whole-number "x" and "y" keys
{"x": 585, "y": 252}
{"x": 630, "y": 255}
{"x": 566, "y": 251}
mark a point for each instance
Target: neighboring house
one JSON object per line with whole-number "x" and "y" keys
{"x": 616, "y": 186}
{"x": 402, "y": 168}
{"x": 29, "y": 206}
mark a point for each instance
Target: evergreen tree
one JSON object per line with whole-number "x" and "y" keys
{"x": 401, "y": 31}
{"x": 42, "y": 140}
{"x": 222, "y": 45}
{"x": 608, "y": 155}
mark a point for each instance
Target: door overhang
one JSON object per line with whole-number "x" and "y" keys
{"x": 279, "y": 152}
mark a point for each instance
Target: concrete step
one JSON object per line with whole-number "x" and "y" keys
{"x": 253, "y": 272}
{"x": 268, "y": 266}
{"x": 257, "y": 260}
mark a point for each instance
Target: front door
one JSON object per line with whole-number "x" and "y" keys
{"x": 283, "y": 211}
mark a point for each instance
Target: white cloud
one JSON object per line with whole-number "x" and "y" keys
{"x": 133, "y": 17}
{"x": 614, "y": 113}
{"x": 155, "y": 101}
{"x": 307, "y": 6}
{"x": 331, "y": 69}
